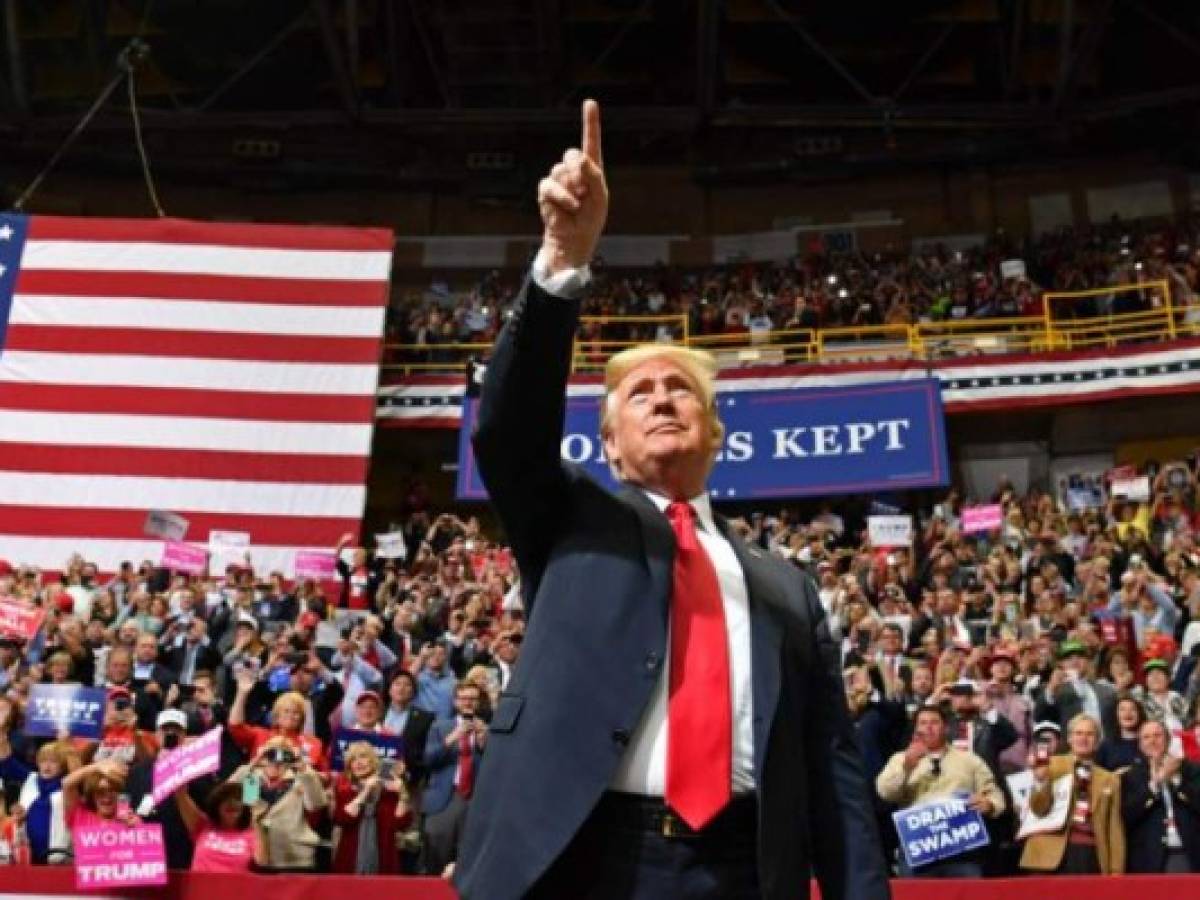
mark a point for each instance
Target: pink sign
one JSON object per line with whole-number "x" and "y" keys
{"x": 982, "y": 518}
{"x": 18, "y": 620}
{"x": 315, "y": 564}
{"x": 179, "y": 557}
{"x": 179, "y": 767}
{"x": 108, "y": 856}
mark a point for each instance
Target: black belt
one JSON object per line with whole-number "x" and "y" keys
{"x": 651, "y": 814}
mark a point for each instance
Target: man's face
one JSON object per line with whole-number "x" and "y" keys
{"x": 466, "y": 700}
{"x": 922, "y": 681}
{"x": 1152, "y": 740}
{"x": 1002, "y": 670}
{"x": 147, "y": 648}
{"x": 367, "y": 714}
{"x": 1083, "y": 739}
{"x": 437, "y": 657}
{"x": 202, "y": 692}
{"x": 963, "y": 704}
{"x": 947, "y": 603}
{"x": 930, "y": 729}
{"x": 119, "y": 667}
{"x": 658, "y": 424}
{"x": 889, "y": 641}
{"x": 401, "y": 692}
{"x": 507, "y": 649}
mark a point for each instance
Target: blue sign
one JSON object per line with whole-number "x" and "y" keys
{"x": 53, "y": 708}
{"x": 785, "y": 443}
{"x": 938, "y": 830}
{"x": 390, "y": 747}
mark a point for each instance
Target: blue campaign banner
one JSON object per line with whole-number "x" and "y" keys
{"x": 938, "y": 830}
{"x": 388, "y": 746}
{"x": 55, "y": 707}
{"x": 785, "y": 443}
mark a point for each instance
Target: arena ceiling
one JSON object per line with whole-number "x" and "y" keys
{"x": 314, "y": 91}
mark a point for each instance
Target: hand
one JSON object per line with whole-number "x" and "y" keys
{"x": 112, "y": 769}
{"x": 914, "y": 754}
{"x": 152, "y": 688}
{"x": 981, "y": 804}
{"x": 1057, "y": 678}
{"x": 245, "y": 680}
{"x": 172, "y": 694}
{"x": 18, "y": 813}
{"x": 573, "y": 200}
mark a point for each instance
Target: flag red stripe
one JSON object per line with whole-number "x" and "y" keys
{"x": 193, "y": 344}
{"x": 232, "y": 234}
{"x": 187, "y": 402}
{"x": 215, "y": 288}
{"x": 173, "y": 463}
{"x": 127, "y": 524}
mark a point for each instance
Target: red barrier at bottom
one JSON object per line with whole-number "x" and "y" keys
{"x": 60, "y": 881}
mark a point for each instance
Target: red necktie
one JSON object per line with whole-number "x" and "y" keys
{"x": 466, "y": 766}
{"x": 699, "y": 716}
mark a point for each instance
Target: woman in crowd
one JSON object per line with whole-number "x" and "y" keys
{"x": 1160, "y": 702}
{"x": 288, "y": 792}
{"x": 288, "y": 718}
{"x": 92, "y": 796}
{"x": 138, "y": 612}
{"x": 371, "y": 809}
{"x": 1119, "y": 751}
{"x": 58, "y": 669}
{"x": 104, "y": 608}
{"x": 223, "y": 834}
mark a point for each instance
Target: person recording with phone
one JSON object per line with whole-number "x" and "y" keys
{"x": 282, "y": 789}
{"x": 453, "y": 753}
{"x": 288, "y": 717}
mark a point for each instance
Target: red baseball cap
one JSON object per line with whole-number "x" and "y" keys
{"x": 368, "y": 695}
{"x": 309, "y": 619}
{"x": 65, "y": 603}
{"x": 5, "y": 567}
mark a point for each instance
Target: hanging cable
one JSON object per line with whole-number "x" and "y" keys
{"x": 137, "y": 125}
{"x": 130, "y": 57}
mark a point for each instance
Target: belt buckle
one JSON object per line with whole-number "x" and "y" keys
{"x": 670, "y": 824}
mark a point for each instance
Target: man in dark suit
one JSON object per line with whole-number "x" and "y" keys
{"x": 676, "y": 725}
{"x": 405, "y": 718}
{"x": 1160, "y": 803}
{"x": 191, "y": 652}
{"x": 453, "y": 753}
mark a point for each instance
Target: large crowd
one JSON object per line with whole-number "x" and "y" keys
{"x": 984, "y": 665}
{"x": 821, "y": 288}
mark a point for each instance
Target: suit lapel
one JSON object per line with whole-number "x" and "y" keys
{"x": 659, "y": 541}
{"x": 766, "y": 640}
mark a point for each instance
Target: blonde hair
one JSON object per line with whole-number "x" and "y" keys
{"x": 699, "y": 366}
{"x": 362, "y": 749}
{"x": 290, "y": 698}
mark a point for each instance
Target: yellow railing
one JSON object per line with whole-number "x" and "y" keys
{"x": 1051, "y": 331}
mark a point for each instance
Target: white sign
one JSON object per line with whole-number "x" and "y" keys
{"x": 1012, "y": 268}
{"x": 166, "y": 525}
{"x": 1021, "y": 785}
{"x": 227, "y": 547}
{"x": 391, "y": 545}
{"x": 1137, "y": 489}
{"x": 890, "y": 531}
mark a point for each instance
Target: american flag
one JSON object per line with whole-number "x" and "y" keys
{"x": 224, "y": 372}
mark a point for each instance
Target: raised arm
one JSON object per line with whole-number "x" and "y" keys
{"x": 523, "y": 400}
{"x": 193, "y": 817}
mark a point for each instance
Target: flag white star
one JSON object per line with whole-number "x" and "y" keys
{"x": 6, "y": 232}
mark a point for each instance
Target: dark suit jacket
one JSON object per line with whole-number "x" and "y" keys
{"x": 416, "y": 734}
{"x": 206, "y": 658}
{"x": 441, "y": 762}
{"x": 596, "y": 579}
{"x": 1145, "y": 817}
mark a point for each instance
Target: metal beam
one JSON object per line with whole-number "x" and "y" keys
{"x": 1183, "y": 37}
{"x": 253, "y": 62}
{"x": 435, "y": 70}
{"x": 1085, "y": 51}
{"x": 708, "y": 31}
{"x": 16, "y": 61}
{"x": 928, "y": 55}
{"x": 818, "y": 48}
{"x": 343, "y": 78}
{"x": 627, "y": 26}
{"x": 1016, "y": 47}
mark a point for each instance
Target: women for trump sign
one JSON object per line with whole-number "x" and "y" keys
{"x": 784, "y": 443}
{"x": 118, "y": 856}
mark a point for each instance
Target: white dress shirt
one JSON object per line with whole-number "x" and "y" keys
{"x": 643, "y": 768}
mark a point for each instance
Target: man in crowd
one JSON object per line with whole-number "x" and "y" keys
{"x": 453, "y": 753}
{"x": 435, "y": 681}
{"x": 1160, "y": 804}
{"x": 930, "y": 768}
{"x": 1092, "y": 839}
{"x": 405, "y": 718}
{"x": 1073, "y": 689}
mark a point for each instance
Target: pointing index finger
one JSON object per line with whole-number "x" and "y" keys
{"x": 591, "y": 132}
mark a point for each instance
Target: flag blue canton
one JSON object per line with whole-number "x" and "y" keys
{"x": 12, "y": 245}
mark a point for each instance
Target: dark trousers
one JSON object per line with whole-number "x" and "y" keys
{"x": 442, "y": 835}
{"x": 621, "y": 853}
{"x": 1079, "y": 859}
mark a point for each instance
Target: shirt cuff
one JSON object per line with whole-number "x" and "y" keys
{"x": 567, "y": 284}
